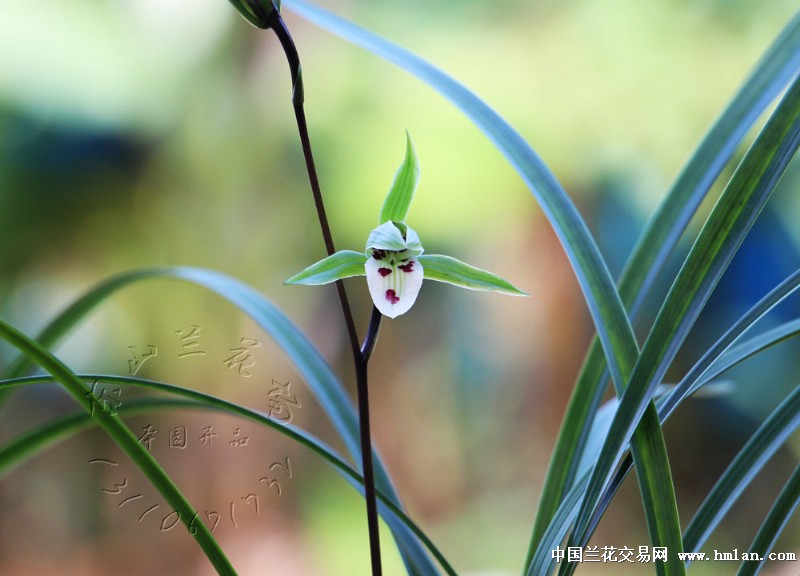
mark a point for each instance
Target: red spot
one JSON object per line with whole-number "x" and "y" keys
{"x": 391, "y": 296}
{"x": 384, "y": 272}
{"x": 378, "y": 254}
{"x": 407, "y": 267}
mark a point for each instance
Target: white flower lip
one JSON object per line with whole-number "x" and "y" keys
{"x": 394, "y": 280}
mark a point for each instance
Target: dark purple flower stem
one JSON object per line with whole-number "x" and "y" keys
{"x": 361, "y": 355}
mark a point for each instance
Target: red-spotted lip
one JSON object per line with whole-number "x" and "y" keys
{"x": 394, "y": 282}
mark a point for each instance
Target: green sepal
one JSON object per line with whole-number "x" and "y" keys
{"x": 398, "y": 200}
{"x": 447, "y": 269}
{"x": 342, "y": 264}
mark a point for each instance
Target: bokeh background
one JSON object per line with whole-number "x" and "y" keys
{"x": 160, "y": 132}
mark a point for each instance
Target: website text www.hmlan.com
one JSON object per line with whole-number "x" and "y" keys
{"x": 736, "y": 556}
{"x": 647, "y": 554}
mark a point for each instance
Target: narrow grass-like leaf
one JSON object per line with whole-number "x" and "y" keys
{"x": 126, "y": 440}
{"x": 729, "y": 359}
{"x": 59, "y": 326}
{"x": 398, "y": 200}
{"x": 773, "y": 524}
{"x": 342, "y": 264}
{"x": 452, "y": 271}
{"x": 653, "y": 473}
{"x": 715, "y": 362}
{"x": 605, "y": 415}
{"x": 654, "y": 476}
{"x": 667, "y": 405}
{"x": 749, "y": 348}
{"x": 316, "y": 372}
{"x": 543, "y": 561}
{"x": 770, "y": 436}
{"x": 715, "y": 353}
{"x": 600, "y": 425}
{"x": 768, "y": 78}
{"x": 44, "y": 436}
{"x": 31, "y": 443}
{"x": 574, "y": 443}
{"x": 729, "y": 222}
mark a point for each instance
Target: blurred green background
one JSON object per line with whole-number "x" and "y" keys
{"x": 160, "y": 132}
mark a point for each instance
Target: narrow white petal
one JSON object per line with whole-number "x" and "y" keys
{"x": 393, "y": 285}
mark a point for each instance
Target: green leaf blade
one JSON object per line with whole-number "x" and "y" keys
{"x": 311, "y": 365}
{"x": 773, "y": 524}
{"x": 730, "y": 220}
{"x": 50, "y": 433}
{"x": 398, "y": 200}
{"x": 342, "y": 264}
{"x": 768, "y": 78}
{"x": 126, "y": 440}
{"x": 446, "y": 269}
{"x": 750, "y": 460}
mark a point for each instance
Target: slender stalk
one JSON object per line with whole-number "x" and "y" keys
{"x": 372, "y": 335}
{"x": 366, "y": 439}
{"x": 277, "y": 25}
{"x": 361, "y": 355}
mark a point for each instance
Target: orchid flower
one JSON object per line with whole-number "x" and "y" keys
{"x": 393, "y": 261}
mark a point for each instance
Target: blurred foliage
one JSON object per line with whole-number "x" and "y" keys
{"x": 142, "y": 132}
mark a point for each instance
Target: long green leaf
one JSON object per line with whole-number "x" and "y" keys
{"x": 557, "y": 529}
{"x": 667, "y": 404}
{"x": 29, "y": 444}
{"x": 657, "y": 491}
{"x": 573, "y": 443}
{"x": 762, "y": 445}
{"x": 543, "y": 561}
{"x": 605, "y": 307}
{"x": 768, "y": 78}
{"x": 311, "y": 365}
{"x": 773, "y": 524}
{"x": 712, "y": 360}
{"x": 44, "y": 436}
{"x": 749, "y": 348}
{"x": 719, "y": 358}
{"x": 729, "y": 222}
{"x": 126, "y": 440}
